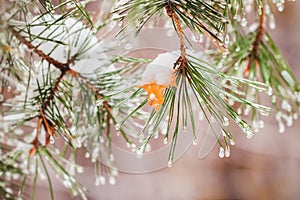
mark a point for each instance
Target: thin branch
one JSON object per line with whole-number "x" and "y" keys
{"x": 257, "y": 41}
{"x": 260, "y": 31}
{"x": 49, "y": 59}
{"x": 54, "y": 90}
{"x": 65, "y": 69}
{"x": 91, "y": 87}
{"x": 174, "y": 17}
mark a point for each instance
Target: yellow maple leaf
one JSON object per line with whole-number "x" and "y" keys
{"x": 156, "y": 92}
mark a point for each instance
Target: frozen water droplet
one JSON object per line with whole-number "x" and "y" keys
{"x": 102, "y": 180}
{"x": 226, "y": 121}
{"x": 249, "y": 134}
{"x": 148, "y": 147}
{"x": 244, "y": 22}
{"x": 112, "y": 180}
{"x": 221, "y": 152}
{"x": 80, "y": 169}
{"x": 170, "y": 33}
{"x": 165, "y": 140}
{"x": 261, "y": 124}
{"x": 281, "y": 127}
{"x": 227, "y": 39}
{"x": 139, "y": 153}
{"x": 51, "y": 139}
{"x": 201, "y": 37}
{"x": 99, "y": 102}
{"x": 270, "y": 91}
{"x": 194, "y": 141}
{"x": 238, "y": 119}
{"x": 115, "y": 172}
{"x": 227, "y": 152}
{"x": 128, "y": 46}
{"x": 295, "y": 116}
{"x": 117, "y": 126}
{"x": 225, "y": 53}
{"x": 133, "y": 146}
{"x": 280, "y": 7}
{"x": 111, "y": 158}
{"x": 87, "y": 155}
{"x": 94, "y": 29}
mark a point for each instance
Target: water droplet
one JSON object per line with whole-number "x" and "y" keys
{"x": 201, "y": 38}
{"x": 80, "y": 169}
{"x": 112, "y": 180}
{"x": 238, "y": 119}
{"x": 227, "y": 39}
{"x": 99, "y": 102}
{"x": 118, "y": 127}
{"x": 227, "y": 152}
{"x": 67, "y": 183}
{"x": 232, "y": 142}
{"x": 133, "y": 146}
{"x": 226, "y": 121}
{"x": 165, "y": 140}
{"x": 270, "y": 91}
{"x": 225, "y": 53}
{"x": 155, "y": 135}
{"x": 170, "y": 33}
{"x": 281, "y": 127}
{"x": 51, "y": 139}
{"x": 111, "y": 157}
{"x": 261, "y": 124}
{"x": 295, "y": 116}
{"x": 170, "y": 163}
{"x": 139, "y": 154}
{"x": 230, "y": 102}
{"x": 195, "y": 141}
{"x": 249, "y": 133}
{"x": 280, "y": 7}
{"x": 114, "y": 171}
{"x": 237, "y": 49}
{"x": 87, "y": 155}
{"x": 128, "y": 46}
{"x": 244, "y": 22}
{"x": 221, "y": 152}
{"x": 102, "y": 180}
{"x": 148, "y": 147}
{"x": 286, "y": 106}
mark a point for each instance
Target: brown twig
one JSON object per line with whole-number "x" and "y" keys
{"x": 49, "y": 59}
{"x": 65, "y": 69}
{"x": 54, "y": 90}
{"x": 257, "y": 41}
{"x": 182, "y": 59}
{"x": 260, "y": 32}
{"x": 173, "y": 16}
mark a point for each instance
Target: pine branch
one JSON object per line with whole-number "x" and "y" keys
{"x": 41, "y": 54}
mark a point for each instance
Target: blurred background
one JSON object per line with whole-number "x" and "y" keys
{"x": 264, "y": 167}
